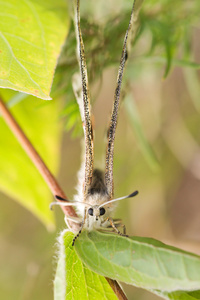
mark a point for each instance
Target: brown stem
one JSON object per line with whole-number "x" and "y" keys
{"x": 48, "y": 177}
{"x": 116, "y": 289}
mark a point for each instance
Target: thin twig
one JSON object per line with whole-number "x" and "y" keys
{"x": 116, "y": 289}
{"x": 48, "y": 177}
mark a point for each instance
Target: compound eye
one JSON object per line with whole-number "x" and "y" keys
{"x": 90, "y": 211}
{"x": 102, "y": 211}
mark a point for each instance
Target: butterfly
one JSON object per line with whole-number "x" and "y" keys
{"x": 96, "y": 189}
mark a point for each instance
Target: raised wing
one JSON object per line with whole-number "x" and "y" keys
{"x": 114, "y": 115}
{"x": 88, "y": 132}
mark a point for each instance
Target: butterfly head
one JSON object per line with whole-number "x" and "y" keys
{"x": 96, "y": 212}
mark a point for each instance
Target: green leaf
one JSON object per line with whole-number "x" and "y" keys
{"x": 73, "y": 279}
{"x": 180, "y": 295}
{"x": 19, "y": 178}
{"x": 143, "y": 262}
{"x": 32, "y": 33}
{"x": 169, "y": 59}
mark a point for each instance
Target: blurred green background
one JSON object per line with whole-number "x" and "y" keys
{"x": 157, "y": 141}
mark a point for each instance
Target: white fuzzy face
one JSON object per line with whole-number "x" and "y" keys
{"x": 96, "y": 217}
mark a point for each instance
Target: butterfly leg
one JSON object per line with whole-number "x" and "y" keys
{"x": 110, "y": 229}
{"x": 82, "y": 224}
{"x": 117, "y": 223}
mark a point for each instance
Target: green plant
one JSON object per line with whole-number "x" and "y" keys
{"x": 32, "y": 34}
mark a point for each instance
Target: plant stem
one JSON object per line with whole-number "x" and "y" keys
{"x": 48, "y": 177}
{"x": 116, "y": 289}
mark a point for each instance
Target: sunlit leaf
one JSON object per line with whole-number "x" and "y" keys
{"x": 74, "y": 280}
{"x": 31, "y": 35}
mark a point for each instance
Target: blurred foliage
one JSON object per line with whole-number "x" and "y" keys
{"x": 19, "y": 178}
{"x": 168, "y": 202}
{"x": 164, "y": 30}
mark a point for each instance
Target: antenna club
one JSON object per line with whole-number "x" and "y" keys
{"x": 60, "y": 198}
{"x": 133, "y": 194}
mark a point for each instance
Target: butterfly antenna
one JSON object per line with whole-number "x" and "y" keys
{"x": 121, "y": 198}
{"x": 66, "y": 202}
{"x": 60, "y": 198}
